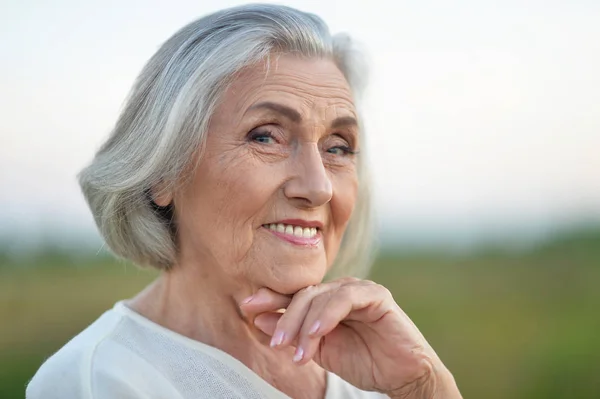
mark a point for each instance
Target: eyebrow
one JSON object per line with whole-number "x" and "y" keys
{"x": 284, "y": 110}
{"x": 344, "y": 121}
{"x": 294, "y": 116}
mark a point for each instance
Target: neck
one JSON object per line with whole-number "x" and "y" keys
{"x": 199, "y": 303}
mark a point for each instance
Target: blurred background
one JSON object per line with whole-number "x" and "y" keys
{"x": 483, "y": 126}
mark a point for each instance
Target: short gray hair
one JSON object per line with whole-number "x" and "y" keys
{"x": 165, "y": 120}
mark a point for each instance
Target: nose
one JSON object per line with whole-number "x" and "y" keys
{"x": 310, "y": 185}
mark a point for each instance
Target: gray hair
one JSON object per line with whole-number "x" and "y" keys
{"x": 165, "y": 120}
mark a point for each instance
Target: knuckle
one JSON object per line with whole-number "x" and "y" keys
{"x": 345, "y": 292}
{"x": 383, "y": 290}
{"x": 304, "y": 292}
{"x": 349, "y": 280}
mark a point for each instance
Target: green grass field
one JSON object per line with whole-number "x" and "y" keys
{"x": 508, "y": 325}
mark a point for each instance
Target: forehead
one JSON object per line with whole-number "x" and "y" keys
{"x": 316, "y": 88}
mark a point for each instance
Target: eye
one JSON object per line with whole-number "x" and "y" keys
{"x": 339, "y": 146}
{"x": 263, "y": 137}
{"x": 341, "y": 150}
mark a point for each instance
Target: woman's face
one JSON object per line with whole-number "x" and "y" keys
{"x": 271, "y": 197}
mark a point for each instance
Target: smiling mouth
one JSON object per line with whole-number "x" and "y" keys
{"x": 298, "y": 235}
{"x": 296, "y": 231}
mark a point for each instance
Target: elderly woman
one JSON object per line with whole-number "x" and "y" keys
{"x": 235, "y": 168}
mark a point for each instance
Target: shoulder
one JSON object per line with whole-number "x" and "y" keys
{"x": 66, "y": 373}
{"x": 93, "y": 365}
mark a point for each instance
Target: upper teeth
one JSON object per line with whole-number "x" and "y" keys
{"x": 305, "y": 232}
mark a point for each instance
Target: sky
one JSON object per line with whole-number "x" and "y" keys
{"x": 481, "y": 116}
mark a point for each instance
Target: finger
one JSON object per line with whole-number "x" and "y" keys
{"x": 361, "y": 301}
{"x": 366, "y": 303}
{"x": 264, "y": 300}
{"x": 307, "y": 342}
{"x": 290, "y": 323}
{"x": 267, "y": 322}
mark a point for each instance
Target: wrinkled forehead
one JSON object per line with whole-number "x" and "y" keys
{"x": 315, "y": 88}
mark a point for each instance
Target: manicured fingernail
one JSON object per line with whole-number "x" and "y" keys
{"x": 277, "y": 339}
{"x": 248, "y": 300}
{"x": 298, "y": 355}
{"x": 315, "y": 327}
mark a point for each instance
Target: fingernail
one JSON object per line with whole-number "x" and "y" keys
{"x": 277, "y": 339}
{"x": 298, "y": 355}
{"x": 248, "y": 300}
{"x": 315, "y": 327}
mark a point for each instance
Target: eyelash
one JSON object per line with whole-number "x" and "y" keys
{"x": 347, "y": 150}
{"x": 254, "y": 135}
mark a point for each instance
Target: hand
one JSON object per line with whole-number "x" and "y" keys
{"x": 355, "y": 329}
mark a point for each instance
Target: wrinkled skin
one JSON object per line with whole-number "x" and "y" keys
{"x": 265, "y": 164}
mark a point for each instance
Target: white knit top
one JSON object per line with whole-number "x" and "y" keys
{"x": 125, "y": 355}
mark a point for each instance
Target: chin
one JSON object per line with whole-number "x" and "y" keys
{"x": 290, "y": 283}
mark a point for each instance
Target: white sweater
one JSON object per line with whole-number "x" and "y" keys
{"x": 124, "y": 355}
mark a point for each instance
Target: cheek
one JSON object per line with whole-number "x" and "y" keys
{"x": 343, "y": 202}
{"x": 341, "y": 205}
{"x": 223, "y": 201}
